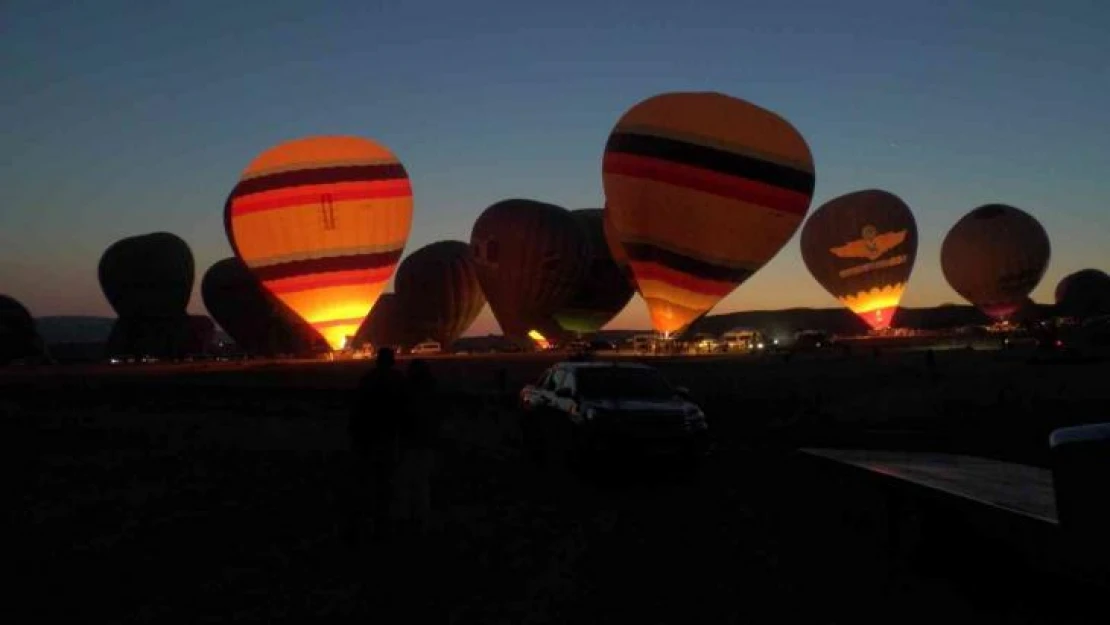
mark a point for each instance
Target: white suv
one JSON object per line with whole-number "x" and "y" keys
{"x": 427, "y": 347}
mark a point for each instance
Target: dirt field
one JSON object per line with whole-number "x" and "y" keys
{"x": 193, "y": 493}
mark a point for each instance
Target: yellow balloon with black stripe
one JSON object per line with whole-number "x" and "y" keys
{"x": 702, "y": 190}
{"x": 322, "y": 222}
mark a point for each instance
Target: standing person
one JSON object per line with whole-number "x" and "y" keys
{"x": 419, "y": 439}
{"x": 374, "y": 428}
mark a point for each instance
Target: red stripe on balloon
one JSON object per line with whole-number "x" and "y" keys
{"x": 248, "y": 204}
{"x": 685, "y": 281}
{"x": 332, "y": 279}
{"x": 762, "y": 194}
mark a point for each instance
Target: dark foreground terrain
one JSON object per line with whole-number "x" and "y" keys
{"x": 195, "y": 494}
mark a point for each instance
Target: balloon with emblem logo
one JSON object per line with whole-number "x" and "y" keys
{"x": 861, "y": 247}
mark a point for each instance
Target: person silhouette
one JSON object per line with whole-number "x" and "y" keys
{"x": 373, "y": 429}
{"x": 419, "y": 437}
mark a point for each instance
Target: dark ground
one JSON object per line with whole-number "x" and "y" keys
{"x": 196, "y": 495}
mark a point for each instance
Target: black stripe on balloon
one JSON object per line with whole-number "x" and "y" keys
{"x": 310, "y": 266}
{"x": 713, "y": 159}
{"x": 645, "y": 252}
{"x": 321, "y": 175}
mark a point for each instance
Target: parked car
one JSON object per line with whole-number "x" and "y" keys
{"x": 427, "y": 347}
{"x": 587, "y": 409}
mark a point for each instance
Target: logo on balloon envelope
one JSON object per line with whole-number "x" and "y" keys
{"x": 870, "y": 245}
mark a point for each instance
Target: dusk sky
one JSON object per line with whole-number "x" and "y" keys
{"x": 122, "y": 118}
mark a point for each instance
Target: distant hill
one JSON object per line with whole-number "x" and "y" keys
{"x": 74, "y": 329}
{"x": 84, "y": 330}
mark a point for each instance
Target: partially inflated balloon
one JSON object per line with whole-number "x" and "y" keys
{"x": 1085, "y": 293}
{"x": 439, "y": 292}
{"x": 703, "y": 190}
{"x": 322, "y": 222}
{"x": 861, "y": 247}
{"x": 385, "y": 326}
{"x": 256, "y": 320}
{"x": 604, "y": 290}
{"x": 530, "y": 258}
{"x": 994, "y": 257}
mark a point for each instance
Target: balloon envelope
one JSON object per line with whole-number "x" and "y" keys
{"x": 994, "y": 257}
{"x": 616, "y": 249}
{"x": 254, "y": 318}
{"x": 322, "y": 223}
{"x": 384, "y": 326}
{"x": 438, "y": 289}
{"x": 861, "y": 247}
{"x": 703, "y": 190}
{"x": 530, "y": 258}
{"x": 1085, "y": 293}
{"x": 604, "y": 290}
{"x": 147, "y": 276}
{"x": 19, "y": 338}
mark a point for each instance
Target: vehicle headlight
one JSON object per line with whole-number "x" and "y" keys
{"x": 694, "y": 417}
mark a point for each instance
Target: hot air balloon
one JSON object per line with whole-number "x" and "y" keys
{"x": 437, "y": 287}
{"x": 1085, "y": 293}
{"x": 994, "y": 257}
{"x": 147, "y": 276}
{"x": 254, "y": 318}
{"x": 530, "y": 258}
{"x": 703, "y": 190}
{"x": 604, "y": 290}
{"x": 322, "y": 223}
{"x": 385, "y": 325}
{"x": 148, "y": 280}
{"x": 616, "y": 250}
{"x": 861, "y": 247}
{"x": 18, "y": 336}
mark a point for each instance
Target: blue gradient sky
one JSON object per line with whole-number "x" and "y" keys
{"x": 120, "y": 118}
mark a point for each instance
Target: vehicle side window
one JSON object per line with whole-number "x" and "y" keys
{"x": 556, "y": 380}
{"x": 569, "y": 383}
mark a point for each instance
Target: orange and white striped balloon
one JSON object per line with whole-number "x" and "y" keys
{"x": 322, "y": 222}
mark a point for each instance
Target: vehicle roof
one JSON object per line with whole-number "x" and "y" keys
{"x": 597, "y": 364}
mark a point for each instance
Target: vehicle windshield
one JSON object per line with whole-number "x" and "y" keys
{"x": 622, "y": 383}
